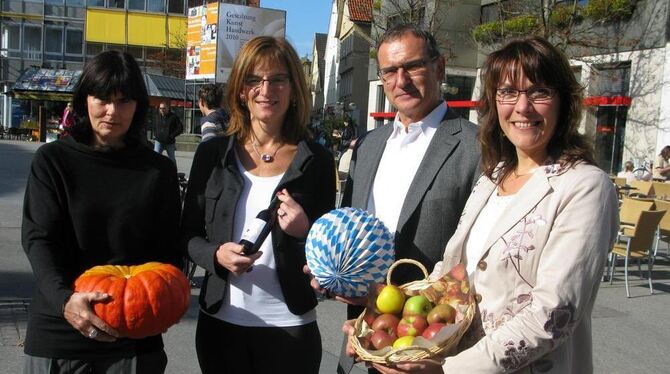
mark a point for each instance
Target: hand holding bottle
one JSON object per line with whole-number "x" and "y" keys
{"x": 291, "y": 217}
{"x": 231, "y": 256}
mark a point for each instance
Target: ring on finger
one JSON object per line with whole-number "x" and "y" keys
{"x": 281, "y": 213}
{"x": 93, "y": 333}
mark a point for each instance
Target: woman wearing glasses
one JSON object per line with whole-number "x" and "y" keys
{"x": 538, "y": 225}
{"x": 260, "y": 318}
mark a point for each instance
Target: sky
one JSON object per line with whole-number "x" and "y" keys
{"x": 304, "y": 18}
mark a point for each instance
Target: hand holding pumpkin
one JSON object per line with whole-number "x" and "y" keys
{"x": 230, "y": 256}
{"x": 79, "y": 313}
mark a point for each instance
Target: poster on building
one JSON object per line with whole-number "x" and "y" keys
{"x": 201, "y": 41}
{"x": 239, "y": 23}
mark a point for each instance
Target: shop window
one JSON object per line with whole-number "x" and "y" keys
{"x": 32, "y": 42}
{"x": 156, "y": 6}
{"x": 100, "y": 3}
{"x": 176, "y": 6}
{"x": 76, "y": 3}
{"x": 136, "y": 4}
{"x": 74, "y": 41}
{"x": 459, "y": 88}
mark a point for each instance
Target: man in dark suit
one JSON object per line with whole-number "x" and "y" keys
{"x": 416, "y": 173}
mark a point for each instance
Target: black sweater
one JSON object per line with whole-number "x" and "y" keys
{"x": 85, "y": 207}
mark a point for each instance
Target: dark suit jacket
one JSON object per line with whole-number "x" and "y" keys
{"x": 215, "y": 185}
{"x": 436, "y": 197}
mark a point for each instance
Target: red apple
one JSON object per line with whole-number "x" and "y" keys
{"x": 386, "y": 322}
{"x": 432, "y": 330}
{"x": 417, "y": 306}
{"x": 381, "y": 339}
{"x": 369, "y": 318}
{"x": 412, "y": 326}
{"x": 443, "y": 313}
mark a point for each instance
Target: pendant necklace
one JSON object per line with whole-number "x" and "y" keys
{"x": 266, "y": 157}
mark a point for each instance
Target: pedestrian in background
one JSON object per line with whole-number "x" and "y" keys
{"x": 662, "y": 165}
{"x": 97, "y": 197}
{"x": 168, "y": 127}
{"x": 263, "y": 320}
{"x": 215, "y": 118}
{"x": 538, "y": 226}
{"x": 67, "y": 119}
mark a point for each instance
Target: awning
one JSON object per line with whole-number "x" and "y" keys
{"x": 58, "y": 85}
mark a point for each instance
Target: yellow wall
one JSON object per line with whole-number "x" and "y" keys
{"x": 105, "y": 26}
{"x": 146, "y": 29}
{"x": 141, "y": 29}
{"x": 177, "y": 27}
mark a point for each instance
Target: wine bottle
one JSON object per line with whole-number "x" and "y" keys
{"x": 257, "y": 231}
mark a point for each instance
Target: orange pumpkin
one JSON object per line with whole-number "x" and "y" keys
{"x": 145, "y": 299}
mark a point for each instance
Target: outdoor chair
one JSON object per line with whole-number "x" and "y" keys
{"x": 641, "y": 188}
{"x": 641, "y": 244}
{"x": 661, "y": 190}
{"x": 629, "y": 212}
{"x": 664, "y": 225}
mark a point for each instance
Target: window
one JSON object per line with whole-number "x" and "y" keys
{"x": 11, "y": 37}
{"x": 100, "y": 3}
{"x": 93, "y": 49}
{"x": 74, "y": 41}
{"x": 176, "y": 6}
{"x": 76, "y": 3}
{"x": 53, "y": 41}
{"x": 135, "y": 52}
{"x": 610, "y": 79}
{"x": 118, "y": 4}
{"x": 32, "y": 42}
{"x": 156, "y": 6}
{"x": 136, "y": 4}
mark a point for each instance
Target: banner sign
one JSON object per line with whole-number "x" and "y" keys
{"x": 201, "y": 41}
{"x": 239, "y": 23}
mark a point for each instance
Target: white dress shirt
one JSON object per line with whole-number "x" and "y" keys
{"x": 402, "y": 156}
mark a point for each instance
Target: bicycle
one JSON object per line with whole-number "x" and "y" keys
{"x": 189, "y": 266}
{"x": 643, "y": 171}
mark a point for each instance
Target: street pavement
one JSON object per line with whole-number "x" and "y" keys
{"x": 629, "y": 335}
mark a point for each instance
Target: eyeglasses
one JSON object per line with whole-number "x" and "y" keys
{"x": 535, "y": 95}
{"x": 417, "y": 67}
{"x": 277, "y": 81}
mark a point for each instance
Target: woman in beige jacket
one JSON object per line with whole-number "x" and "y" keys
{"x": 538, "y": 225}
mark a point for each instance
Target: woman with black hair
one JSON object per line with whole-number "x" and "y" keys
{"x": 94, "y": 198}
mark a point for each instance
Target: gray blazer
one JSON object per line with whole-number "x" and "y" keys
{"x": 436, "y": 197}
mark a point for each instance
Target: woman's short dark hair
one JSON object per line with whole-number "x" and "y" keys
{"x": 267, "y": 50}
{"x": 107, "y": 74}
{"x": 543, "y": 64}
{"x": 398, "y": 31}
{"x": 665, "y": 152}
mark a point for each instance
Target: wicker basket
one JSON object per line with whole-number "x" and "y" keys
{"x": 415, "y": 352}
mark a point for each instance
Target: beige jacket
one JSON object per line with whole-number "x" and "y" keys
{"x": 539, "y": 273}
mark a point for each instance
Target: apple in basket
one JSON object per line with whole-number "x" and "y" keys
{"x": 412, "y": 326}
{"x": 417, "y": 305}
{"x": 443, "y": 313}
{"x": 385, "y": 331}
{"x": 432, "y": 330}
{"x": 390, "y": 300}
{"x": 405, "y": 341}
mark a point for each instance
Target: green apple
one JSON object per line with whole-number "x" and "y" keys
{"x": 390, "y": 300}
{"x": 417, "y": 305}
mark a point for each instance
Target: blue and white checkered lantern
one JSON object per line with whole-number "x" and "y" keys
{"x": 348, "y": 248}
